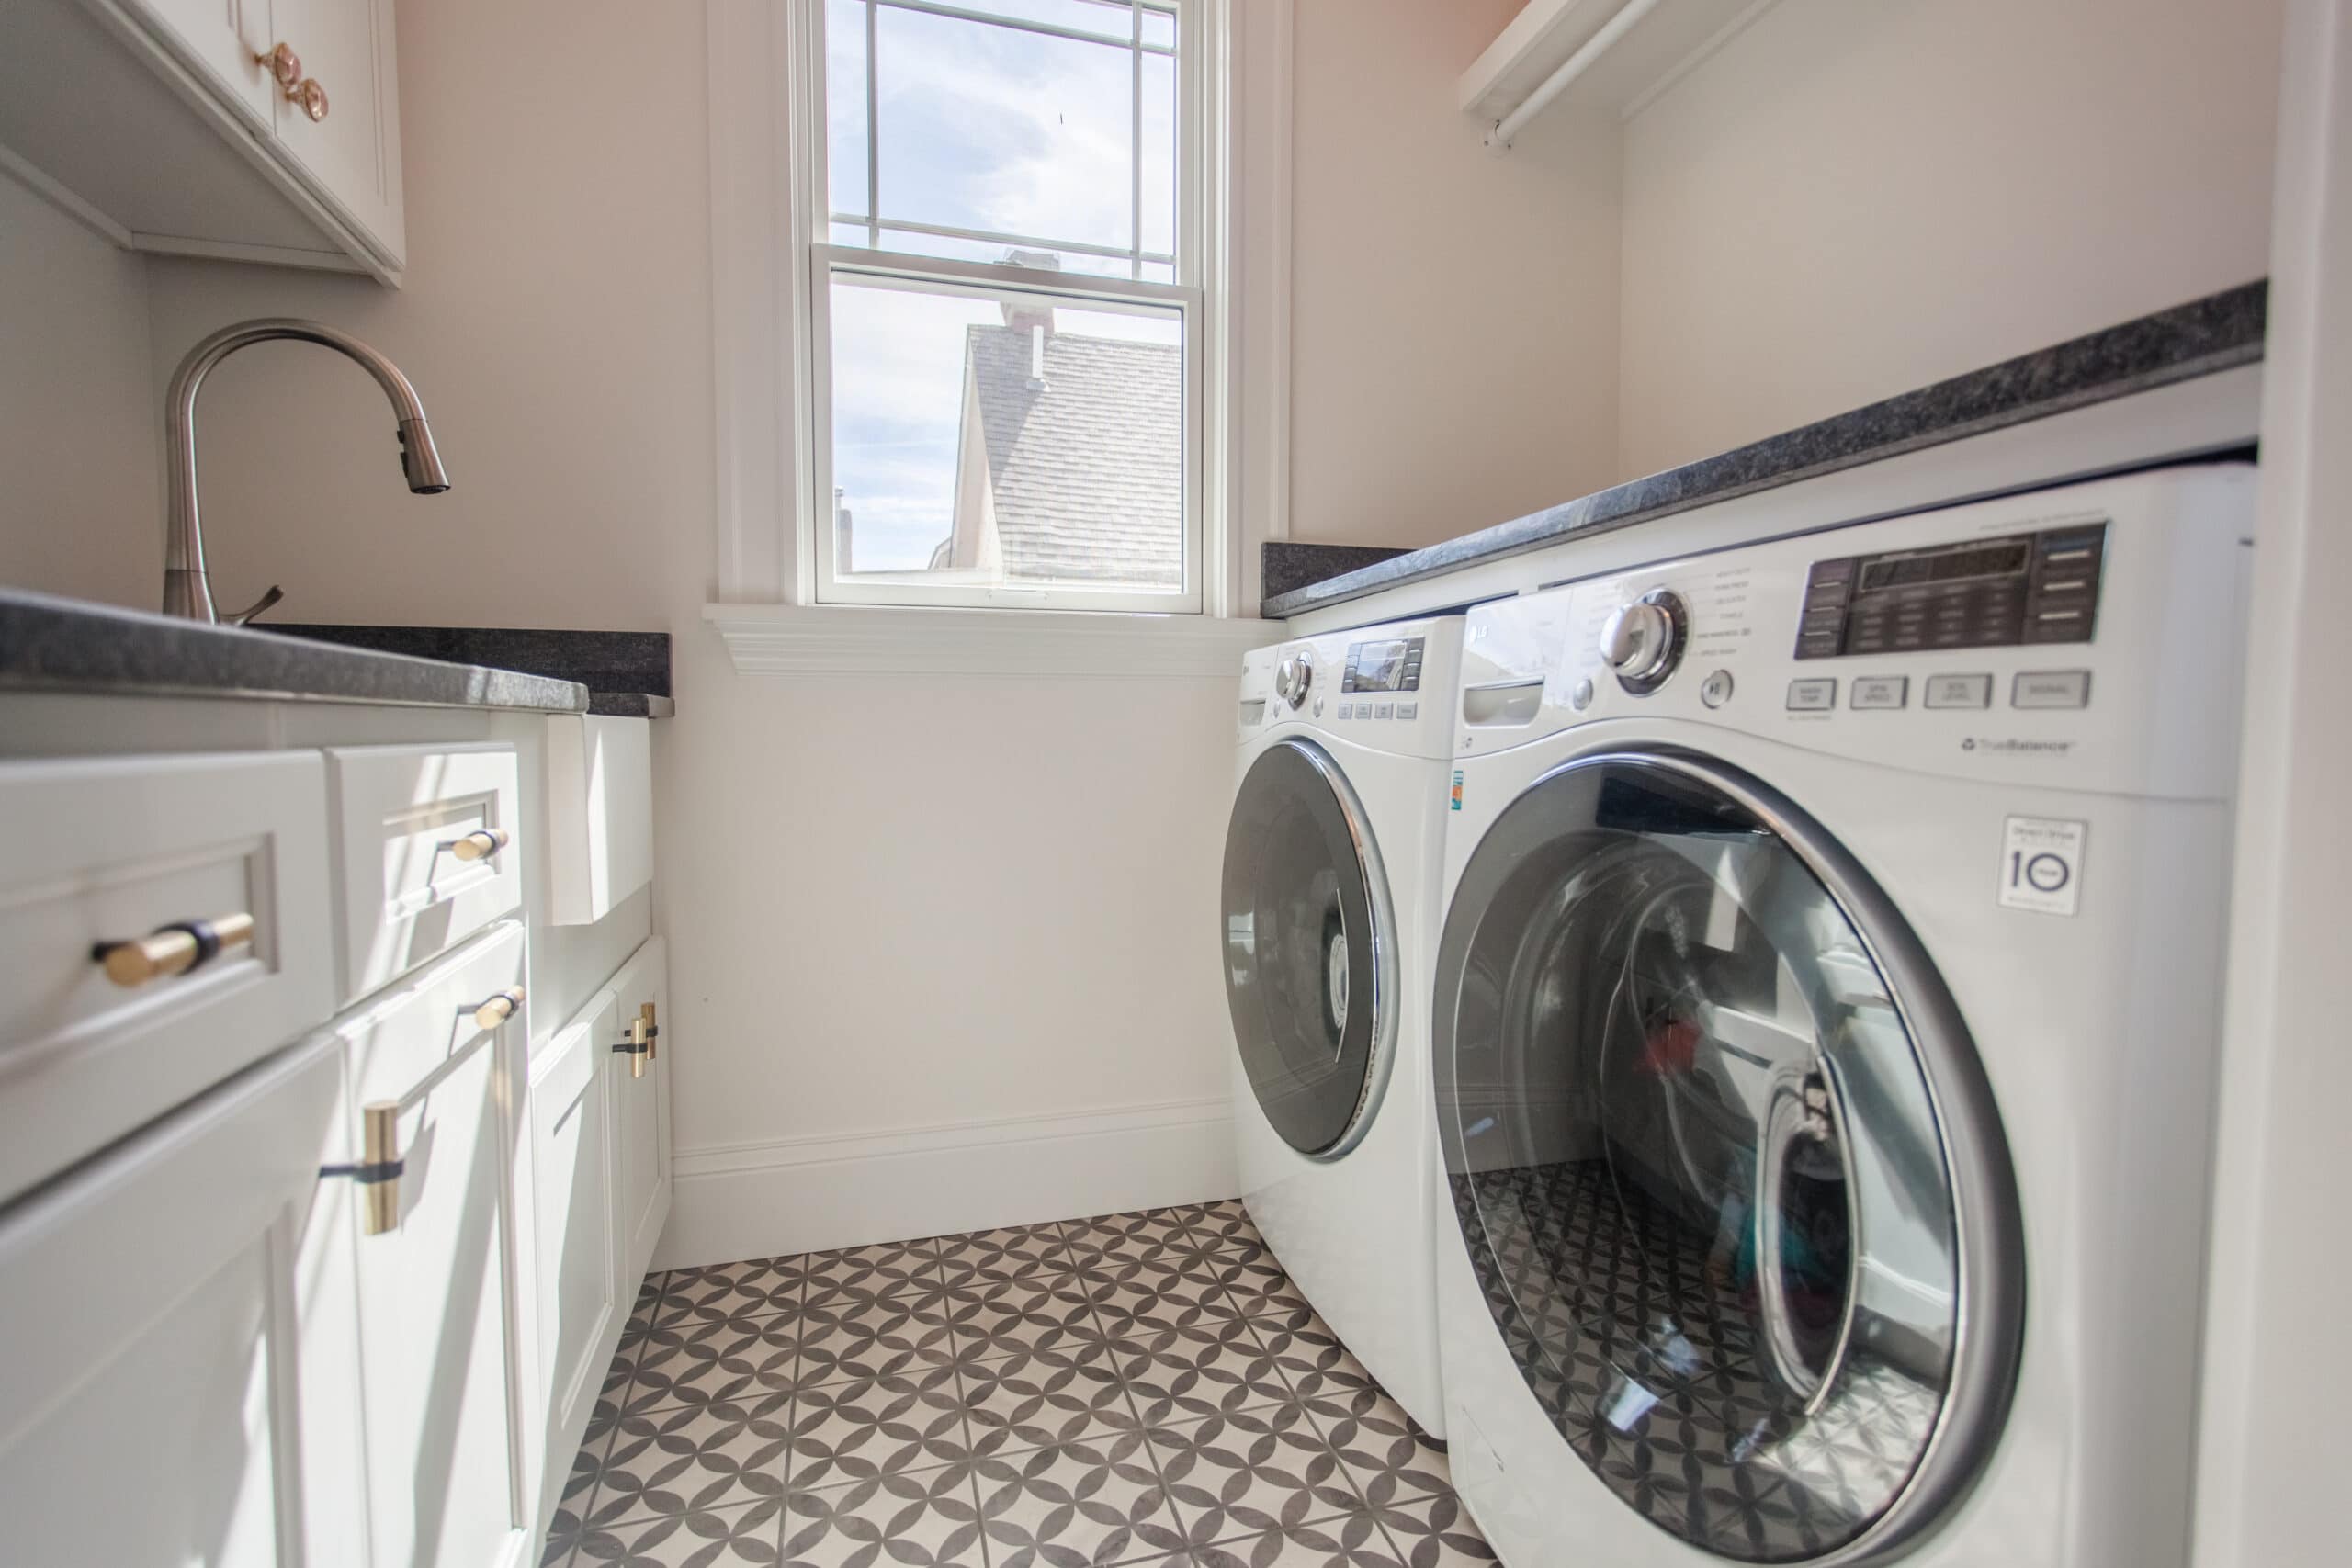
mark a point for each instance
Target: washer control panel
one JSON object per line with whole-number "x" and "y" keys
{"x": 2086, "y": 634}
{"x": 2025, "y": 588}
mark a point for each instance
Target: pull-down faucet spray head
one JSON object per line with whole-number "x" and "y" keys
{"x": 186, "y": 593}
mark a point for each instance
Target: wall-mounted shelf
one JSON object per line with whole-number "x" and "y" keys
{"x": 1620, "y": 53}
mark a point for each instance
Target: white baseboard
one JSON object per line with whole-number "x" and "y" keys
{"x": 813, "y": 1193}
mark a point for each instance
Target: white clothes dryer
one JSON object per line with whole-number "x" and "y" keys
{"x": 1330, "y": 918}
{"x": 1825, "y": 1026}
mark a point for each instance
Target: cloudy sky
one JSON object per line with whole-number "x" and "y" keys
{"x": 982, "y": 127}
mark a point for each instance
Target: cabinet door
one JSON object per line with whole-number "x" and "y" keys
{"x": 147, "y": 1303}
{"x": 222, "y": 39}
{"x": 441, "y": 1371}
{"x": 640, "y": 1098}
{"x": 354, "y": 152}
{"x": 572, "y": 1156}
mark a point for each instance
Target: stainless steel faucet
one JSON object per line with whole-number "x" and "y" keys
{"x": 186, "y": 591}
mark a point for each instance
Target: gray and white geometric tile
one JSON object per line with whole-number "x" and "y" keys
{"x": 1144, "y": 1391}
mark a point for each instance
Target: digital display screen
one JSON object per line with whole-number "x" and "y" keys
{"x": 1380, "y": 666}
{"x": 2005, "y": 558}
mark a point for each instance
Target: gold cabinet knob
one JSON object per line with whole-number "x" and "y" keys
{"x": 285, "y": 66}
{"x": 499, "y": 1009}
{"x": 311, "y": 97}
{"x": 172, "y": 950}
{"x": 481, "y": 843}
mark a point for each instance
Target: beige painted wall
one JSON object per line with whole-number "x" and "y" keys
{"x": 1861, "y": 196}
{"x": 80, "y": 506}
{"x": 1455, "y": 321}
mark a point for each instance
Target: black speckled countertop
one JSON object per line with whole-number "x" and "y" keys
{"x": 626, "y": 673}
{"x": 2218, "y": 333}
{"x": 69, "y": 645}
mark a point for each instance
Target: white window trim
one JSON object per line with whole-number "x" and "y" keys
{"x": 765, "y": 140}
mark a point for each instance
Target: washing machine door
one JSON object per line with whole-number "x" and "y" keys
{"x": 1724, "y": 1162}
{"x": 1310, "y": 949}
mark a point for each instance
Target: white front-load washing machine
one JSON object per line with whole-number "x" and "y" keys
{"x": 1825, "y": 1026}
{"x": 1329, "y": 921}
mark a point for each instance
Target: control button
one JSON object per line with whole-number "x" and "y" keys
{"x": 2052, "y": 689}
{"x": 1408, "y": 710}
{"x": 1319, "y": 707}
{"x": 1880, "y": 692}
{"x": 1960, "y": 691}
{"x": 1412, "y": 680}
{"x": 1347, "y": 710}
{"x": 1384, "y": 710}
{"x": 1716, "y": 689}
{"x": 1581, "y": 695}
{"x": 1813, "y": 696}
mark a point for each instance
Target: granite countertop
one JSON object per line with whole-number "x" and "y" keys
{"x": 70, "y": 645}
{"x": 626, "y": 673}
{"x": 2218, "y": 333}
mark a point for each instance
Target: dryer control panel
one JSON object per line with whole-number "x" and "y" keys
{"x": 1388, "y": 688}
{"x": 2025, "y": 588}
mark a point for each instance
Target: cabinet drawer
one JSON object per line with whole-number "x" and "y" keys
{"x": 401, "y": 816}
{"x": 113, "y": 850}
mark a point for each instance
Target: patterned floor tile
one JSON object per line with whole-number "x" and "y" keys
{"x": 1388, "y": 1454}
{"x": 1088, "y": 1503}
{"x": 1191, "y": 1379}
{"x": 859, "y": 1274}
{"x": 916, "y": 1518}
{"x": 1435, "y": 1532}
{"x": 693, "y": 1459}
{"x": 1032, "y": 1399}
{"x": 857, "y": 1432}
{"x": 873, "y": 1338}
{"x": 997, "y": 1319}
{"x": 1348, "y": 1540}
{"x": 715, "y": 1540}
{"x": 1153, "y": 1232}
{"x": 1145, "y": 1389}
{"x": 1253, "y": 1471}
{"x": 695, "y": 1362}
{"x": 1015, "y": 1252}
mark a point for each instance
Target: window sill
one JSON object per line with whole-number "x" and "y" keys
{"x": 882, "y": 640}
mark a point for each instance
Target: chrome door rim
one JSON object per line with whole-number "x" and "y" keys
{"x": 1989, "y": 1316}
{"x": 1380, "y": 1054}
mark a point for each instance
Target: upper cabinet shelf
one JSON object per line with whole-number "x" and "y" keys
{"x": 259, "y": 131}
{"x": 1620, "y": 53}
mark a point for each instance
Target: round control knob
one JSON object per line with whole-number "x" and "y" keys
{"x": 1292, "y": 677}
{"x": 1643, "y": 640}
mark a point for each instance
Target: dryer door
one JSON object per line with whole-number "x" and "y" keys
{"x": 1310, "y": 949}
{"x": 1724, "y": 1161}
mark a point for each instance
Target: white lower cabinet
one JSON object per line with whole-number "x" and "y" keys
{"x": 148, "y": 1306}
{"x": 437, "y": 1435}
{"x": 641, "y": 1110}
{"x": 572, "y": 1162}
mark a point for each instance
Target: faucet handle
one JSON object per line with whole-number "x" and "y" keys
{"x": 256, "y": 607}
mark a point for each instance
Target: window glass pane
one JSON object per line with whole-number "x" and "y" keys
{"x": 990, "y": 128}
{"x": 1158, "y": 28}
{"x": 1099, "y": 18}
{"x": 996, "y": 251}
{"x": 989, "y": 438}
{"x": 846, "y": 105}
{"x": 1158, "y": 154}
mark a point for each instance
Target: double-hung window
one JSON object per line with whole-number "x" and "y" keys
{"x": 1005, "y": 262}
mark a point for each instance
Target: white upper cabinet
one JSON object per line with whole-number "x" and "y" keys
{"x": 354, "y": 152}
{"x": 259, "y": 131}
{"x": 226, "y": 40}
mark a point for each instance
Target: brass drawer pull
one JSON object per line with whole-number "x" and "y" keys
{"x": 379, "y": 1173}
{"x": 285, "y": 66}
{"x": 173, "y": 949}
{"x": 499, "y": 1008}
{"x": 639, "y": 1046}
{"x": 481, "y": 845}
